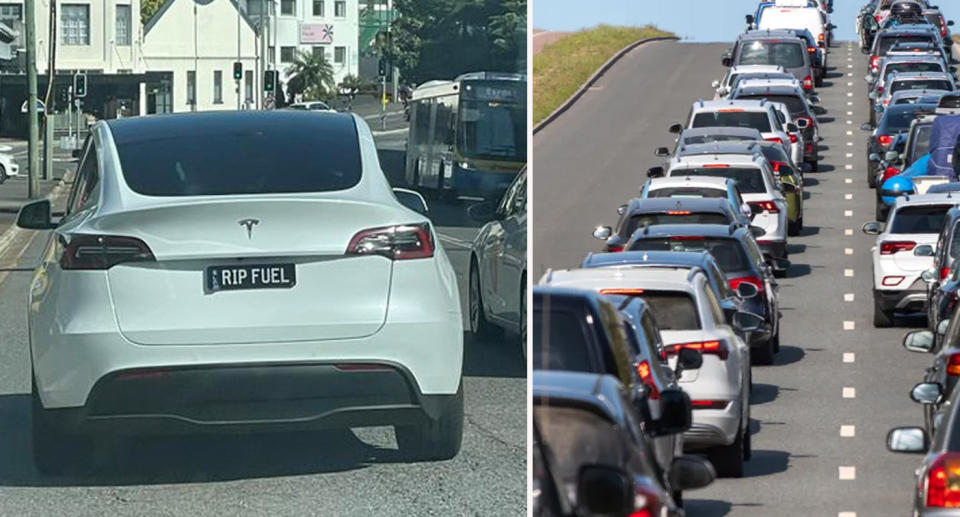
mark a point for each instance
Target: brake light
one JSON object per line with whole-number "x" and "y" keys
{"x": 777, "y": 165}
{"x": 646, "y": 376}
{"x": 891, "y": 247}
{"x": 718, "y": 165}
{"x": 943, "y": 481}
{"x": 879, "y": 89}
{"x": 886, "y": 102}
{"x": 614, "y": 248}
{"x": 953, "y": 365}
{"x": 943, "y": 27}
{"x": 807, "y": 83}
{"x": 892, "y": 281}
{"x": 401, "y": 242}
{"x": 820, "y": 37}
{"x": 622, "y": 291}
{"x": 709, "y": 404}
{"x": 717, "y": 348}
{"x": 767, "y": 206}
{"x": 646, "y": 502}
{"x": 874, "y": 62}
{"x": 730, "y": 110}
{"x": 793, "y": 138}
{"x": 102, "y": 251}
{"x": 811, "y": 50}
{"x": 889, "y": 173}
{"x": 885, "y": 140}
{"x": 679, "y": 212}
{"x": 944, "y": 273}
{"x": 878, "y": 17}
{"x": 735, "y": 282}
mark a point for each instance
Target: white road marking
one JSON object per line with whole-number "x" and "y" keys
{"x": 847, "y": 514}
{"x": 849, "y": 122}
{"x": 849, "y": 66}
{"x": 848, "y": 297}
{"x": 848, "y": 166}
{"x": 848, "y": 213}
{"x": 456, "y": 242}
{"x": 849, "y": 84}
{"x": 849, "y": 325}
{"x": 848, "y": 251}
{"x": 849, "y": 94}
{"x": 849, "y": 74}
{"x": 848, "y": 431}
{"x": 849, "y": 393}
{"x": 848, "y": 473}
{"x": 849, "y": 155}
{"x": 848, "y": 272}
{"x": 849, "y": 59}
{"x": 848, "y": 231}
{"x": 849, "y": 103}
{"x": 848, "y": 196}
{"x": 850, "y": 133}
{"x": 849, "y": 113}
{"x": 848, "y": 180}
{"x": 849, "y": 357}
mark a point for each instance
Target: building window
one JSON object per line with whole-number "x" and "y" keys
{"x": 248, "y": 85}
{"x": 288, "y": 7}
{"x": 339, "y": 55}
{"x": 286, "y": 54}
{"x": 74, "y": 24}
{"x": 123, "y": 25}
{"x": 11, "y": 13}
{"x": 319, "y": 51}
{"x": 217, "y": 87}
{"x": 340, "y": 8}
{"x": 318, "y": 7}
{"x": 272, "y": 54}
{"x": 191, "y": 87}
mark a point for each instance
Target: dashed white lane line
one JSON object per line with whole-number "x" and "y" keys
{"x": 849, "y": 59}
{"x": 849, "y": 84}
{"x": 848, "y": 297}
{"x": 849, "y": 144}
{"x": 849, "y": 66}
{"x": 850, "y": 133}
{"x": 848, "y": 213}
{"x": 849, "y": 325}
{"x": 849, "y": 357}
{"x": 849, "y": 74}
{"x": 849, "y": 113}
{"x": 847, "y": 514}
{"x": 848, "y": 231}
{"x": 848, "y": 196}
{"x": 848, "y": 167}
{"x": 849, "y": 122}
{"x": 848, "y": 272}
{"x": 848, "y": 251}
{"x": 847, "y": 180}
{"x": 848, "y": 473}
{"x": 848, "y": 431}
{"x": 849, "y": 393}
{"x": 849, "y": 155}
{"x": 849, "y": 94}
{"x": 849, "y": 103}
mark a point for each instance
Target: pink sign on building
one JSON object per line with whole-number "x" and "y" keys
{"x": 316, "y": 33}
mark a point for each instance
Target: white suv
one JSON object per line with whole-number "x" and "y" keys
{"x": 903, "y": 251}
{"x": 734, "y": 74}
{"x": 758, "y": 187}
{"x": 762, "y": 115}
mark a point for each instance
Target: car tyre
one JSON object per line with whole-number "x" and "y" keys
{"x": 728, "y": 459}
{"x": 434, "y": 440}
{"x": 747, "y": 443}
{"x": 3, "y": 174}
{"x": 480, "y": 327}
{"x": 523, "y": 318}
{"x": 881, "y": 211}
{"x": 54, "y": 451}
{"x": 881, "y": 318}
{"x": 814, "y": 164}
{"x": 764, "y": 355}
{"x": 793, "y": 228}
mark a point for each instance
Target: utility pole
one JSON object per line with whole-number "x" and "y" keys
{"x": 238, "y": 54}
{"x": 47, "y": 110}
{"x": 33, "y": 186}
{"x": 263, "y": 55}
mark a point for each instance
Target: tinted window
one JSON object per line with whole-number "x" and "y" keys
{"x": 955, "y": 242}
{"x": 687, "y": 192}
{"x": 752, "y": 119}
{"x": 922, "y": 141}
{"x": 913, "y": 67}
{"x": 707, "y": 139}
{"x": 560, "y": 342}
{"x": 786, "y": 54}
{"x": 673, "y": 310}
{"x": 246, "y": 153}
{"x": 886, "y": 42}
{"x": 680, "y": 218}
{"x": 750, "y": 181}
{"x": 898, "y": 118}
{"x": 923, "y": 84}
{"x": 727, "y": 252}
{"x": 919, "y": 219}
{"x": 795, "y": 105}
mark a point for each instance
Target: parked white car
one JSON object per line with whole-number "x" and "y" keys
{"x": 8, "y": 167}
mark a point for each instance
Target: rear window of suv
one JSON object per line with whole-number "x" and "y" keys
{"x": 733, "y": 118}
{"x": 729, "y": 253}
{"x": 919, "y": 219}
{"x": 676, "y": 218}
{"x": 687, "y": 192}
{"x": 560, "y": 342}
{"x": 749, "y": 180}
{"x": 787, "y": 54}
{"x": 795, "y": 105}
{"x": 673, "y": 310}
{"x": 921, "y": 84}
{"x": 912, "y": 66}
{"x": 886, "y": 42}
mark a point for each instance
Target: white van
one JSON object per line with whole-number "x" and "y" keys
{"x": 809, "y": 18}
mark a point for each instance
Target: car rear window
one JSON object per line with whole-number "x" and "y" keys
{"x": 691, "y": 192}
{"x": 919, "y": 219}
{"x": 886, "y": 42}
{"x": 708, "y": 139}
{"x": 788, "y": 54}
{"x": 673, "y": 310}
{"x": 289, "y": 152}
{"x": 909, "y": 66}
{"x": 560, "y": 342}
{"x": 752, "y": 119}
{"x": 922, "y": 139}
{"x": 795, "y": 105}
{"x": 749, "y": 180}
{"x": 921, "y": 84}
{"x": 898, "y": 118}
{"x": 678, "y": 218}
{"x": 728, "y": 252}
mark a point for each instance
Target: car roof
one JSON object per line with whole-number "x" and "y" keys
{"x": 747, "y": 132}
{"x": 715, "y": 182}
{"x": 926, "y": 199}
{"x": 723, "y": 147}
{"x": 953, "y": 186}
{"x": 566, "y": 295}
{"x": 666, "y": 204}
{"x": 738, "y": 158}
{"x": 661, "y": 231}
{"x": 702, "y": 105}
{"x": 756, "y": 68}
{"x": 682, "y": 259}
{"x": 755, "y": 86}
{"x": 598, "y": 391}
{"x": 589, "y": 278}
{"x": 909, "y": 58}
{"x": 919, "y": 75}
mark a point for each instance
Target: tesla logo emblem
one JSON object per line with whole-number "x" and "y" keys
{"x": 249, "y": 224}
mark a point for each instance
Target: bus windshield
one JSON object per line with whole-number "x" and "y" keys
{"x": 492, "y": 130}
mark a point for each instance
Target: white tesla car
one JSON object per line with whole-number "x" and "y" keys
{"x": 249, "y": 271}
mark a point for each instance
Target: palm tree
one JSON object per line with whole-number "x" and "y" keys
{"x": 311, "y": 75}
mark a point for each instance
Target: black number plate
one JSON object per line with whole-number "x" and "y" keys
{"x": 252, "y": 276}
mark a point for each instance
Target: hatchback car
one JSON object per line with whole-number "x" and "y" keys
{"x": 243, "y": 271}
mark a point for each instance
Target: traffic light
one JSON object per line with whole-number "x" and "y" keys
{"x": 383, "y": 67}
{"x": 237, "y": 71}
{"x": 269, "y": 80}
{"x": 80, "y": 85}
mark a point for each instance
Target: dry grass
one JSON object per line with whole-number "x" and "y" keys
{"x": 560, "y": 68}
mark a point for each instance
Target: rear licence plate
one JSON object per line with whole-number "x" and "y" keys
{"x": 253, "y": 276}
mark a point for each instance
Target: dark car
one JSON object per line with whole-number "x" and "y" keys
{"x": 895, "y": 119}
{"x": 739, "y": 256}
{"x": 654, "y": 211}
{"x": 942, "y": 286}
{"x": 886, "y": 39}
{"x": 585, "y": 421}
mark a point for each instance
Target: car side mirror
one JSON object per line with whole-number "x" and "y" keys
{"x": 662, "y": 152}
{"x": 757, "y": 231}
{"x": 36, "y": 216}
{"x": 483, "y": 212}
{"x": 929, "y": 276}
{"x": 866, "y": 127}
{"x": 918, "y": 341}
{"x": 912, "y": 440}
{"x": 604, "y": 491}
{"x": 621, "y": 209}
{"x": 602, "y": 232}
{"x": 689, "y": 472}
{"x": 675, "y": 128}
{"x": 814, "y": 99}
{"x": 749, "y": 18}
{"x": 802, "y": 123}
{"x": 76, "y": 153}
{"x": 819, "y": 110}
{"x": 926, "y": 393}
{"x": 949, "y": 23}
{"x": 655, "y": 172}
{"x": 943, "y": 326}
{"x": 689, "y": 359}
{"x": 869, "y": 78}
{"x": 675, "y": 412}
{"x": 413, "y": 200}
{"x": 789, "y": 188}
{"x": 872, "y": 228}
{"x": 891, "y": 156}
{"x": 923, "y": 250}
{"x": 715, "y": 84}
{"x": 873, "y": 157}
{"x": 756, "y": 209}
{"x": 726, "y": 60}
{"x": 746, "y": 290}
{"x": 746, "y": 210}
{"x": 777, "y": 264}
{"x": 747, "y": 321}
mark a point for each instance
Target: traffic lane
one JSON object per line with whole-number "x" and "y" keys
{"x": 595, "y": 156}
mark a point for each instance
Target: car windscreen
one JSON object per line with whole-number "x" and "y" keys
{"x": 676, "y": 217}
{"x": 788, "y": 54}
{"x": 560, "y": 341}
{"x": 886, "y": 42}
{"x": 728, "y": 252}
{"x": 921, "y": 84}
{"x": 749, "y": 180}
{"x": 955, "y": 243}
{"x": 919, "y": 219}
{"x": 733, "y": 118}
{"x": 239, "y": 154}
{"x": 691, "y": 192}
{"x": 673, "y": 310}
{"x": 898, "y": 118}
{"x": 795, "y": 105}
{"x": 912, "y": 66}
{"x": 922, "y": 140}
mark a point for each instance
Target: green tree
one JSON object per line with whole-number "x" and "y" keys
{"x": 148, "y": 8}
{"x": 312, "y": 76}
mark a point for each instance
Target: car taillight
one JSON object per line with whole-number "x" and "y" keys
{"x": 735, "y": 282}
{"x": 717, "y": 348}
{"x": 808, "y": 83}
{"x": 793, "y": 138}
{"x": 614, "y": 248}
{"x": 808, "y": 119}
{"x": 774, "y": 139}
{"x": 809, "y": 148}
{"x": 767, "y": 206}
{"x": 953, "y": 365}
{"x": 622, "y": 291}
{"x": 709, "y": 404}
{"x": 879, "y": 89}
{"x": 943, "y": 27}
{"x": 885, "y": 140}
{"x": 944, "y": 272}
{"x": 886, "y": 102}
{"x": 646, "y": 376}
{"x": 891, "y": 247}
{"x": 645, "y": 502}
{"x": 877, "y": 17}
{"x": 777, "y": 165}
{"x": 820, "y": 37}
{"x": 943, "y": 481}
{"x": 874, "y": 62}
{"x": 102, "y": 251}
{"x": 892, "y": 280}
{"x": 401, "y": 242}
{"x": 889, "y": 173}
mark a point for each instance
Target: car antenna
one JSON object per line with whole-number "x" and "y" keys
{"x": 646, "y": 227}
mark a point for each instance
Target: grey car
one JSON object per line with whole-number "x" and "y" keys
{"x": 772, "y": 47}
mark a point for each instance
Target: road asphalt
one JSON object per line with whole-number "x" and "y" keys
{"x": 834, "y": 370}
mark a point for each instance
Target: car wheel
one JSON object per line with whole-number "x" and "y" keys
{"x": 764, "y": 355}
{"x": 678, "y": 498}
{"x": 437, "y": 439}
{"x": 881, "y": 318}
{"x": 814, "y": 165}
{"x": 747, "y": 443}
{"x": 881, "y": 211}
{"x": 776, "y": 343}
{"x": 793, "y": 228}
{"x": 479, "y": 325}
{"x": 523, "y": 316}
{"x": 818, "y": 82}
{"x": 54, "y": 452}
{"x": 871, "y": 177}
{"x": 728, "y": 459}
{"x": 3, "y": 174}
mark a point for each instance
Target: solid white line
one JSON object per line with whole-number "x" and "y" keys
{"x": 848, "y": 431}
{"x": 848, "y": 231}
{"x": 847, "y": 180}
{"x": 848, "y": 213}
{"x": 848, "y": 473}
{"x": 847, "y": 272}
{"x": 848, "y": 196}
{"x": 849, "y": 325}
{"x": 849, "y": 357}
{"x": 848, "y": 297}
{"x": 849, "y": 393}
{"x": 848, "y": 251}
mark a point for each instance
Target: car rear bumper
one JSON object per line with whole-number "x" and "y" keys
{"x": 252, "y": 398}
{"x": 776, "y": 249}
{"x": 906, "y": 300}
{"x": 712, "y": 427}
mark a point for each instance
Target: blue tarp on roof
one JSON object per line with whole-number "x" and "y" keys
{"x": 943, "y": 139}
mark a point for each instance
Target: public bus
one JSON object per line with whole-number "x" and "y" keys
{"x": 467, "y": 136}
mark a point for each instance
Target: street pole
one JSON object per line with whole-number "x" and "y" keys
{"x": 263, "y": 54}
{"x": 394, "y": 73}
{"x": 33, "y": 186}
{"x": 47, "y": 111}
{"x": 238, "y": 55}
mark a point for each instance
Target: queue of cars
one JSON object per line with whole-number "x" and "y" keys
{"x": 642, "y": 356}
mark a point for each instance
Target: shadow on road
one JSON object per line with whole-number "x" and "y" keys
{"x": 766, "y": 462}
{"x": 499, "y": 356}
{"x": 763, "y": 393}
{"x": 707, "y": 507}
{"x": 809, "y": 182}
{"x": 809, "y": 230}
{"x": 798, "y": 270}
{"x": 825, "y": 167}
{"x": 788, "y": 355}
{"x": 796, "y": 248}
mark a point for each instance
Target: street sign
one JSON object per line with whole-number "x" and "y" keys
{"x": 40, "y": 107}
{"x": 80, "y": 84}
